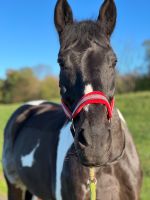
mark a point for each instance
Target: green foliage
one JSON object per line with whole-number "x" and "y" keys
{"x": 49, "y": 88}
{"x": 22, "y": 85}
{"x": 1, "y": 90}
{"x": 136, "y": 110}
{"x": 132, "y": 83}
{"x": 125, "y": 84}
{"x": 142, "y": 83}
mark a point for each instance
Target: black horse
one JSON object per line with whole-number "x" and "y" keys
{"x": 101, "y": 137}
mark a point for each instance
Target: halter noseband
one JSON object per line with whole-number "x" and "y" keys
{"x": 95, "y": 97}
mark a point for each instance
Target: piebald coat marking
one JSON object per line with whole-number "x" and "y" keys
{"x": 28, "y": 160}
{"x": 35, "y": 103}
{"x": 121, "y": 116}
{"x": 64, "y": 144}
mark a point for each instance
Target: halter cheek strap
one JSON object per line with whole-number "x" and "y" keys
{"x": 95, "y": 97}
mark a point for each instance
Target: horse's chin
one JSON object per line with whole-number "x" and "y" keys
{"x": 88, "y": 164}
{"x": 94, "y": 161}
{"x": 99, "y": 161}
{"x": 100, "y": 157}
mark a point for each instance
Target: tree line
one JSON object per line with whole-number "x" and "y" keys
{"x": 132, "y": 83}
{"x": 23, "y": 85}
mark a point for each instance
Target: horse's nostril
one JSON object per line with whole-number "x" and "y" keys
{"x": 81, "y": 138}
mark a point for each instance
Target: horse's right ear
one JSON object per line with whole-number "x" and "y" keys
{"x": 63, "y": 15}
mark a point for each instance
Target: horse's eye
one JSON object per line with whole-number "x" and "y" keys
{"x": 114, "y": 62}
{"x": 63, "y": 90}
{"x": 61, "y": 62}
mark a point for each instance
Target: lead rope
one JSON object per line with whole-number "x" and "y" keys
{"x": 92, "y": 184}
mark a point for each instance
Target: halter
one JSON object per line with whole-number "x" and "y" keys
{"x": 95, "y": 97}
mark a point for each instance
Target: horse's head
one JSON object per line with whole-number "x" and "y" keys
{"x": 87, "y": 63}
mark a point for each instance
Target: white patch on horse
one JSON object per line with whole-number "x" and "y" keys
{"x": 28, "y": 160}
{"x": 88, "y": 89}
{"x": 35, "y": 198}
{"x": 85, "y": 191}
{"x": 121, "y": 116}
{"x": 35, "y": 103}
{"x": 64, "y": 144}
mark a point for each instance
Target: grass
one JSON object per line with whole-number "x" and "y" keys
{"x": 136, "y": 110}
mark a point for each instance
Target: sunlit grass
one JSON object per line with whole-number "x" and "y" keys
{"x": 136, "y": 110}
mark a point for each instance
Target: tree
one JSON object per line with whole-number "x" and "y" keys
{"x": 20, "y": 85}
{"x": 49, "y": 88}
{"x": 1, "y": 90}
{"x": 146, "y": 45}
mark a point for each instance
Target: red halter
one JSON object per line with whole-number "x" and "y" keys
{"x": 95, "y": 97}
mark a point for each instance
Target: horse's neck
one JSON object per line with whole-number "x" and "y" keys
{"x": 118, "y": 137}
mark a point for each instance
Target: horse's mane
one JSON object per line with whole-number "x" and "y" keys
{"x": 82, "y": 32}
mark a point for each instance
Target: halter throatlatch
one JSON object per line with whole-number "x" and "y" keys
{"x": 95, "y": 97}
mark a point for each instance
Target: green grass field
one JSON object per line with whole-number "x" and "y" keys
{"x": 136, "y": 110}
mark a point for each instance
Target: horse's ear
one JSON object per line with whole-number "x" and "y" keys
{"x": 63, "y": 15}
{"x": 107, "y": 16}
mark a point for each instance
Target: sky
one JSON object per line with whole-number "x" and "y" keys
{"x": 28, "y": 36}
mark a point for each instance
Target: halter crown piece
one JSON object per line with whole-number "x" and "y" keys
{"x": 95, "y": 97}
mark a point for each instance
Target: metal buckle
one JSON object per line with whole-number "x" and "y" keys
{"x": 92, "y": 181}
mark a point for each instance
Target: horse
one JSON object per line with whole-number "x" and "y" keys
{"x": 101, "y": 138}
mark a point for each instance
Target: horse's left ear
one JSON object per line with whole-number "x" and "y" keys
{"x": 107, "y": 16}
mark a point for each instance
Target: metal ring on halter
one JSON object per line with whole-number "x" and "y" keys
{"x": 94, "y": 181}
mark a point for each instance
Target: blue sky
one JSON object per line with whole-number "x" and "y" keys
{"x": 28, "y": 36}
